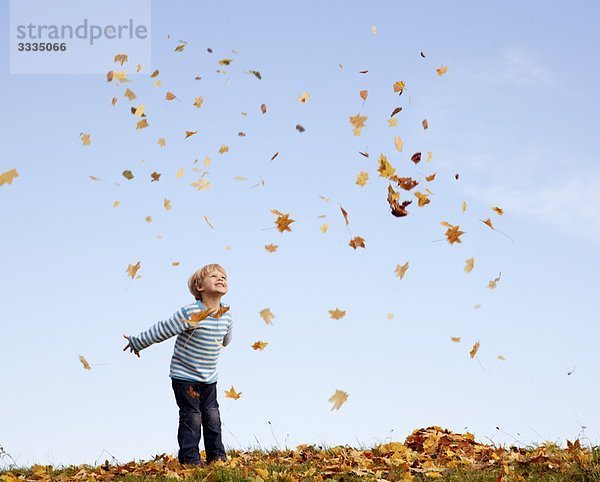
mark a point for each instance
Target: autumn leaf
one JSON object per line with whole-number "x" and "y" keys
{"x": 84, "y": 362}
{"x": 385, "y": 169}
{"x": 469, "y": 263}
{"x": 494, "y": 283}
{"x": 170, "y": 96}
{"x": 180, "y": 173}
{"x": 198, "y": 101}
{"x": 500, "y": 357}
{"x": 299, "y": 128}
{"x": 223, "y": 149}
{"x": 148, "y": 219}
{"x": 393, "y": 122}
{"x": 398, "y": 210}
{"x": 201, "y": 184}
{"x": 453, "y": 233}
{"x": 8, "y": 177}
{"x": 401, "y": 269}
{"x": 190, "y": 134}
{"x": 271, "y": 248}
{"x": 477, "y": 306}
{"x": 345, "y": 214}
{"x": 263, "y": 108}
{"x": 364, "y": 154}
{"x": 175, "y": 263}
{"x": 94, "y": 178}
{"x": 275, "y": 155}
{"x": 423, "y": 199}
{"x": 127, "y": 174}
{"x": 442, "y": 70}
{"x": 455, "y": 339}
{"x": 256, "y": 74}
{"x": 361, "y": 178}
{"x": 208, "y": 222}
{"x": 141, "y": 124}
{"x": 398, "y": 143}
{"x": 425, "y": 124}
{"x": 498, "y": 210}
{"x": 132, "y": 269}
{"x": 416, "y": 157}
{"x": 464, "y": 206}
{"x": 487, "y": 222}
{"x": 116, "y": 204}
{"x": 324, "y": 198}
{"x": 336, "y": 314}
{"x": 114, "y": 101}
{"x": 406, "y": 183}
{"x": 167, "y": 204}
{"x": 395, "y": 111}
{"x": 179, "y": 47}
{"x": 358, "y": 122}
{"x": 225, "y": 61}
{"x": 154, "y": 74}
{"x": 266, "y": 315}
{"x": 303, "y": 98}
{"x": 324, "y": 228}
{"x": 85, "y": 139}
{"x": 162, "y": 142}
{"x": 473, "y": 351}
{"x": 121, "y": 58}
{"x": 259, "y": 345}
{"x": 231, "y": 393}
{"x": 364, "y": 94}
{"x": 338, "y": 399}
{"x": 374, "y": 29}
{"x": 357, "y": 242}
{"x": 130, "y": 95}
{"x": 399, "y": 87}
{"x": 390, "y": 316}
{"x": 283, "y": 221}
{"x": 199, "y": 316}
{"x": 139, "y": 110}
{"x": 155, "y": 176}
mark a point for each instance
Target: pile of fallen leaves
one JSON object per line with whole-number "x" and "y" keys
{"x": 430, "y": 452}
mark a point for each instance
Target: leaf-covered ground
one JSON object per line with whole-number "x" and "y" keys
{"x": 427, "y": 453}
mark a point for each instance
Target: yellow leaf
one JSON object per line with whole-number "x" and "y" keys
{"x": 361, "y": 178}
{"x": 225, "y": 61}
{"x": 141, "y": 124}
{"x": 167, "y": 204}
{"x": 201, "y": 184}
{"x": 338, "y": 399}
{"x": 129, "y": 94}
{"x": 283, "y": 221}
{"x": 429, "y": 156}
{"x": 228, "y": 248}
{"x": 207, "y": 161}
{"x": 399, "y": 86}
{"x": 175, "y": 263}
{"x": 179, "y": 48}
{"x": 393, "y": 122}
{"x": 498, "y": 210}
{"x": 114, "y": 101}
{"x": 464, "y": 206}
{"x": 162, "y": 142}
{"x": 266, "y": 315}
{"x": 85, "y": 139}
{"x": 231, "y": 393}
{"x": 500, "y": 357}
{"x": 442, "y": 70}
{"x": 259, "y": 345}
{"x": 453, "y": 233}
{"x": 223, "y": 149}
{"x": 423, "y": 199}
{"x": 116, "y": 204}
{"x": 8, "y": 177}
{"x": 271, "y": 248}
{"x": 430, "y": 178}
{"x": 198, "y": 102}
{"x": 84, "y": 362}
{"x": 121, "y": 58}
{"x": 132, "y": 269}
{"x": 398, "y": 143}
{"x": 337, "y": 314}
{"x": 127, "y": 174}
{"x": 303, "y": 98}
{"x": 494, "y": 283}
{"x": 240, "y": 178}
{"x": 157, "y": 83}
{"x": 385, "y": 169}
{"x": 148, "y": 219}
{"x": 140, "y": 110}
{"x": 473, "y": 351}
{"x": 179, "y": 173}
{"x": 358, "y": 122}
{"x": 401, "y": 269}
{"x": 374, "y": 29}
{"x": 469, "y": 265}
{"x": 324, "y": 228}
{"x": 455, "y": 339}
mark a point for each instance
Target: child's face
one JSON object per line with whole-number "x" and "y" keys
{"x": 214, "y": 282}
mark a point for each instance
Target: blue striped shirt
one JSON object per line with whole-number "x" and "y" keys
{"x": 197, "y": 347}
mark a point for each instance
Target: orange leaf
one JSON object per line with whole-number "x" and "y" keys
{"x": 170, "y": 96}
{"x": 337, "y": 314}
{"x": 231, "y": 393}
{"x": 357, "y": 242}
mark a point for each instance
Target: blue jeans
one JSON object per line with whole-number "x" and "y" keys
{"x": 198, "y": 408}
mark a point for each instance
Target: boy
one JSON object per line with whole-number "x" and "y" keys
{"x": 202, "y": 329}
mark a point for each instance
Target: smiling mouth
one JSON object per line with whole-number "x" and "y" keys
{"x": 221, "y": 284}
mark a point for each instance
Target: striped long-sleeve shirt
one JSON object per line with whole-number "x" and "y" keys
{"x": 197, "y": 348}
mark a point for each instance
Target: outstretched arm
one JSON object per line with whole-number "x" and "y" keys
{"x": 158, "y": 332}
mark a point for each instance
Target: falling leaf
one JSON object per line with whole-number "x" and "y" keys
{"x": 259, "y": 345}
{"x": 324, "y": 228}
{"x": 473, "y": 351}
{"x": 225, "y": 61}
{"x": 138, "y": 68}
{"x": 223, "y": 149}
{"x": 170, "y": 96}
{"x": 393, "y": 122}
{"x": 345, "y": 214}
{"x": 263, "y": 108}
{"x": 275, "y": 155}
{"x": 154, "y": 74}
{"x": 240, "y": 178}
{"x": 121, "y": 58}
{"x": 303, "y": 98}
{"x": 361, "y": 178}
{"x": 198, "y": 101}
{"x": 85, "y": 139}
{"x": 498, "y": 210}
{"x": 385, "y": 169}
{"x": 157, "y": 83}
{"x": 453, "y": 233}
{"x": 398, "y": 210}
{"x": 190, "y": 134}
{"x": 357, "y": 242}
{"x": 430, "y": 178}
{"x": 422, "y": 54}
{"x": 266, "y": 315}
{"x": 141, "y": 124}
{"x": 500, "y": 357}
{"x": 455, "y": 339}
{"x": 399, "y": 87}
{"x": 271, "y": 248}
{"x": 390, "y": 316}
{"x": 398, "y": 143}
{"x": 148, "y": 219}
{"x": 363, "y": 71}
{"x": 456, "y": 176}
{"x": 364, "y": 154}
{"x": 364, "y": 94}
{"x": 128, "y": 175}
{"x": 469, "y": 263}
{"x": 232, "y": 393}
{"x": 180, "y": 173}
{"x": 338, "y": 399}
{"x": 116, "y": 204}
{"x": 477, "y": 306}
{"x": 358, "y": 122}
{"x": 406, "y": 183}
{"x": 155, "y": 176}
{"x": 425, "y": 124}
{"x": 395, "y": 111}
{"x": 130, "y": 95}
{"x": 180, "y": 48}
{"x": 374, "y": 29}
{"x": 401, "y": 269}
{"x": 494, "y": 283}
{"x": 208, "y": 222}
{"x": 132, "y": 269}
{"x": 416, "y": 157}
{"x": 326, "y": 199}
{"x": 256, "y": 74}
{"x": 206, "y": 161}
{"x": 487, "y": 222}
{"x": 423, "y": 199}
{"x": 336, "y": 314}
{"x": 429, "y": 156}
{"x": 442, "y": 70}
{"x": 283, "y": 221}
{"x": 139, "y": 111}
{"x": 167, "y": 204}
{"x": 175, "y": 263}
{"x": 299, "y": 128}
{"x": 84, "y": 362}
{"x": 242, "y": 134}
{"x": 201, "y": 184}
{"x": 464, "y": 206}
{"x": 114, "y": 101}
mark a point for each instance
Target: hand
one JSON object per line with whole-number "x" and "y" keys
{"x": 129, "y": 346}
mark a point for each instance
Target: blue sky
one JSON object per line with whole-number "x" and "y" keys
{"x": 515, "y": 116}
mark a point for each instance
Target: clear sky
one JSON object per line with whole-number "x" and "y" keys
{"x": 515, "y": 116}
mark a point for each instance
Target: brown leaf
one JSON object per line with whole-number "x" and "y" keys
{"x": 473, "y": 351}
{"x": 398, "y": 210}
{"x": 345, "y": 214}
{"x": 396, "y": 110}
{"x": 425, "y": 124}
{"x": 155, "y": 176}
{"x": 263, "y": 108}
{"x": 170, "y": 96}
{"x": 84, "y": 362}
{"x": 357, "y": 242}
{"x": 259, "y": 345}
{"x": 275, "y": 155}
{"x": 127, "y": 174}
{"x": 271, "y": 248}
{"x": 266, "y": 315}
{"x": 299, "y": 128}
{"x": 416, "y": 157}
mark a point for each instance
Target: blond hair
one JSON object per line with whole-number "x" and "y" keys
{"x": 198, "y": 277}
